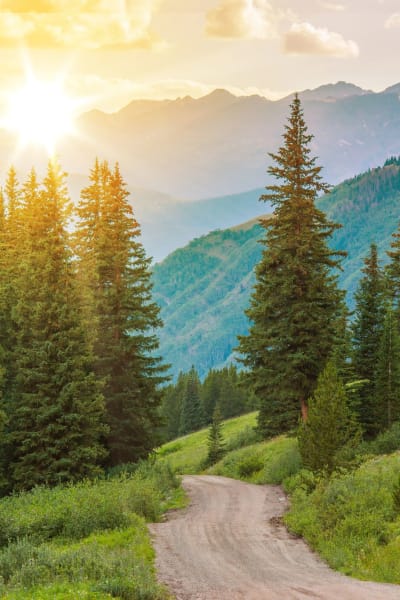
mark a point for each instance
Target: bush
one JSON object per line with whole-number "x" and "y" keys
{"x": 250, "y": 465}
{"x": 387, "y": 441}
{"x": 245, "y": 437}
{"x": 75, "y": 511}
{"x": 283, "y": 465}
{"x": 349, "y": 518}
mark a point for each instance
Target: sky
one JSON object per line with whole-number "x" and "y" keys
{"x": 108, "y": 52}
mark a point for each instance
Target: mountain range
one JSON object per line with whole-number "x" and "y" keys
{"x": 194, "y": 165}
{"x": 204, "y": 288}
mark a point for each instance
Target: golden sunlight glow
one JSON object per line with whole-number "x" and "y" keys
{"x": 40, "y": 113}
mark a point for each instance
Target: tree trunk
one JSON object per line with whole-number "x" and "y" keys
{"x": 304, "y": 410}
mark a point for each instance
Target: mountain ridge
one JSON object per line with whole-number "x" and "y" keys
{"x": 204, "y": 288}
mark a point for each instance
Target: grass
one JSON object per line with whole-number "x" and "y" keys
{"x": 352, "y": 519}
{"x": 187, "y": 454}
{"x": 91, "y": 538}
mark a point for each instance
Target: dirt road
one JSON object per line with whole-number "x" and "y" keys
{"x": 229, "y": 545}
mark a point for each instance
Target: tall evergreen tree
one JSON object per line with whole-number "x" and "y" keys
{"x": 191, "y": 415}
{"x": 171, "y": 407}
{"x": 122, "y": 313}
{"x": 331, "y": 428}
{"x": 393, "y": 272}
{"x": 295, "y": 301}
{"x": 367, "y": 331}
{"x": 388, "y": 373}
{"x": 56, "y": 409}
{"x": 215, "y": 438}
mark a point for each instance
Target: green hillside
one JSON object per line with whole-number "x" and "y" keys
{"x": 204, "y": 288}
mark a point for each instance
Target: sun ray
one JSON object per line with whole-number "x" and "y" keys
{"x": 40, "y": 112}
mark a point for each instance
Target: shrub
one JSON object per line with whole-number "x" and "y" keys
{"x": 245, "y": 437}
{"x": 249, "y": 465}
{"x": 283, "y": 465}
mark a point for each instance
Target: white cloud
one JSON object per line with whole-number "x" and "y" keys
{"x": 77, "y": 23}
{"x": 335, "y": 6}
{"x": 251, "y": 19}
{"x": 393, "y": 21}
{"x": 304, "y": 38}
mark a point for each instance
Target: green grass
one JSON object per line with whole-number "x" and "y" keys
{"x": 90, "y": 537}
{"x": 187, "y": 454}
{"x": 351, "y": 519}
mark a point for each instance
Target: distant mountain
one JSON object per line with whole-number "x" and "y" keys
{"x": 218, "y": 145}
{"x": 332, "y": 92}
{"x": 204, "y": 288}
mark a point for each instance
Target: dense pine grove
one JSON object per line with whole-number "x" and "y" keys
{"x": 79, "y": 378}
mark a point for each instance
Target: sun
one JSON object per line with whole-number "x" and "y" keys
{"x": 41, "y": 113}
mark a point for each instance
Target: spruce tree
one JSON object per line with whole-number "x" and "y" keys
{"x": 295, "y": 300}
{"x": 113, "y": 264}
{"x": 56, "y": 409}
{"x": 171, "y": 407}
{"x": 388, "y": 373}
{"x": 215, "y": 439}
{"x": 331, "y": 428}
{"x": 393, "y": 272}
{"x": 210, "y": 392}
{"x": 367, "y": 331}
{"x": 191, "y": 415}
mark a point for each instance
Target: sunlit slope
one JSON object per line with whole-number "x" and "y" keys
{"x": 204, "y": 287}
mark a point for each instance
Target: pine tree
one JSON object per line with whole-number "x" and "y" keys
{"x": 191, "y": 415}
{"x": 331, "y": 428}
{"x": 388, "y": 373}
{"x": 122, "y": 314}
{"x": 171, "y": 407}
{"x": 367, "y": 331}
{"x": 56, "y": 409}
{"x": 295, "y": 301}
{"x": 215, "y": 439}
{"x": 393, "y": 272}
{"x": 210, "y": 392}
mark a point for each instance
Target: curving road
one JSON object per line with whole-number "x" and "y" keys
{"x": 229, "y": 545}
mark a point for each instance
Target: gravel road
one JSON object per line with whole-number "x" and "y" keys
{"x": 229, "y": 544}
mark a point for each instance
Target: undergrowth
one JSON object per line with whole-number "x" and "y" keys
{"x": 90, "y": 537}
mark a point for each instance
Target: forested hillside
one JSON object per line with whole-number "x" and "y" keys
{"x": 204, "y": 288}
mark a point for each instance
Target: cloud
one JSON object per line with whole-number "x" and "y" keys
{"x": 251, "y": 19}
{"x": 77, "y": 23}
{"x": 335, "y": 6}
{"x": 304, "y": 38}
{"x": 393, "y": 21}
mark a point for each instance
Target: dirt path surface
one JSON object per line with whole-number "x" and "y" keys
{"x": 229, "y": 545}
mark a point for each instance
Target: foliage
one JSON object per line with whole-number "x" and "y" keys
{"x": 121, "y": 313}
{"x": 187, "y": 454}
{"x": 204, "y": 288}
{"x": 225, "y": 387}
{"x": 331, "y": 428}
{"x": 91, "y": 535}
{"x": 350, "y": 519}
{"x": 295, "y": 302}
{"x": 367, "y": 331}
{"x": 191, "y": 413}
{"x": 387, "y": 395}
{"x": 215, "y": 439}
{"x": 54, "y": 403}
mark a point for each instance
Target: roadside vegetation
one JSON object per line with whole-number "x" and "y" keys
{"x": 351, "y": 518}
{"x": 87, "y": 540}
